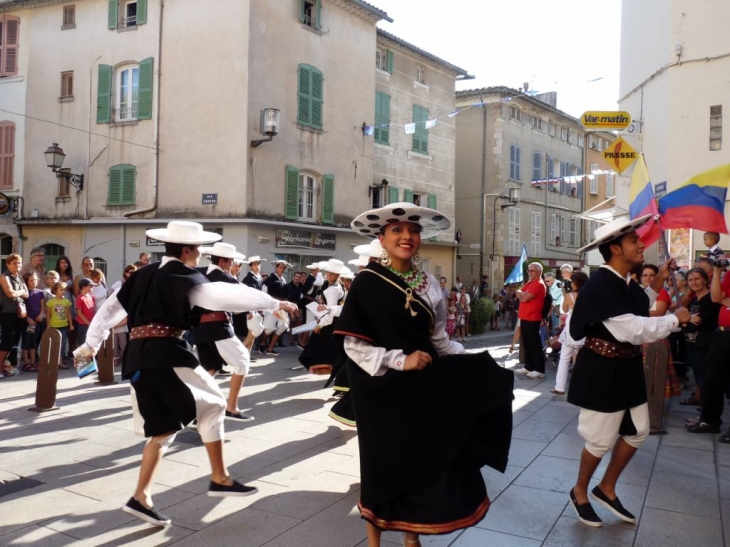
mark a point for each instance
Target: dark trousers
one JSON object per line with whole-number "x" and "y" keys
{"x": 534, "y": 359}
{"x": 718, "y": 373}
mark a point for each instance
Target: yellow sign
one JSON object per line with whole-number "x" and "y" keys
{"x": 619, "y": 156}
{"x": 605, "y": 121}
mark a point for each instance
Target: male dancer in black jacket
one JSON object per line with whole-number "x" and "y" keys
{"x": 215, "y": 337}
{"x": 169, "y": 387}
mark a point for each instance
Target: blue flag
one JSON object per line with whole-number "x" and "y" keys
{"x": 516, "y": 275}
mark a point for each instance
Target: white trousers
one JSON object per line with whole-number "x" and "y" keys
{"x": 600, "y": 429}
{"x": 235, "y": 354}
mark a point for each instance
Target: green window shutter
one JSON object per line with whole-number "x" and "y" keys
{"x": 392, "y": 195}
{"x": 328, "y": 199}
{"x": 115, "y": 185}
{"x": 432, "y": 201}
{"x": 146, "y": 76}
{"x": 317, "y": 96}
{"x": 304, "y": 96}
{"x": 408, "y": 196}
{"x": 319, "y": 14}
{"x": 292, "y": 193}
{"x": 382, "y": 117}
{"x": 113, "y": 14}
{"x": 141, "y": 12}
{"x": 420, "y": 137}
{"x": 129, "y": 179}
{"x": 301, "y": 10}
{"x": 390, "y": 61}
{"x": 104, "y": 95}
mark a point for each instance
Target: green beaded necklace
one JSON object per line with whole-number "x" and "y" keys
{"x": 413, "y": 278}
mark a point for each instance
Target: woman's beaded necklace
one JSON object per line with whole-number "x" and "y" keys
{"x": 415, "y": 279}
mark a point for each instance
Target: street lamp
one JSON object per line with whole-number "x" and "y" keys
{"x": 514, "y": 198}
{"x": 269, "y": 125}
{"x": 54, "y": 160}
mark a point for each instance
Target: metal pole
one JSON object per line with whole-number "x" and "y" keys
{"x": 484, "y": 187}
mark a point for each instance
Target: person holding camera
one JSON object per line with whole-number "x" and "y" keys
{"x": 555, "y": 288}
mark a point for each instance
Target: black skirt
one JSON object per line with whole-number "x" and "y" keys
{"x": 322, "y": 349}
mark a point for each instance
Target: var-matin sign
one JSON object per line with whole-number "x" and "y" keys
{"x": 305, "y": 240}
{"x": 605, "y": 121}
{"x": 620, "y": 155}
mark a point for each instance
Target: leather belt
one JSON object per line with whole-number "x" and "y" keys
{"x": 154, "y": 330}
{"x": 214, "y": 316}
{"x": 612, "y": 350}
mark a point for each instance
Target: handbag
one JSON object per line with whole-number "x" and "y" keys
{"x": 21, "y": 310}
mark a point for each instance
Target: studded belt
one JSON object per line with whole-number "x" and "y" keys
{"x": 154, "y": 330}
{"x": 214, "y": 316}
{"x": 612, "y": 350}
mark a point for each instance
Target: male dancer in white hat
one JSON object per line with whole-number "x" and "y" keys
{"x": 214, "y": 337}
{"x": 275, "y": 324}
{"x": 169, "y": 387}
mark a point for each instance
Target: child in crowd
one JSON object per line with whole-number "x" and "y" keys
{"x": 450, "y": 318}
{"x": 711, "y": 239}
{"x": 59, "y": 315}
{"x": 461, "y": 308}
{"x": 98, "y": 288}
{"x": 52, "y": 278}
{"x": 85, "y": 309}
{"x": 494, "y": 321}
{"x": 35, "y": 306}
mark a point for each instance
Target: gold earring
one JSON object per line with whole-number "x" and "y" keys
{"x": 416, "y": 261}
{"x": 384, "y": 258}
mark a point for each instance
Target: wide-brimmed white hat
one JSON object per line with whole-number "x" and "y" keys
{"x": 314, "y": 266}
{"x": 612, "y": 230}
{"x": 347, "y": 273}
{"x": 255, "y": 258}
{"x": 370, "y": 222}
{"x": 183, "y": 232}
{"x": 277, "y": 262}
{"x": 374, "y": 249}
{"x": 361, "y": 261}
{"x": 224, "y": 250}
{"x": 332, "y": 266}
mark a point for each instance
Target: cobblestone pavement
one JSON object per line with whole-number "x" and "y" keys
{"x": 65, "y": 475}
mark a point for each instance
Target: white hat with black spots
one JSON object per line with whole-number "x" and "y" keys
{"x": 431, "y": 221}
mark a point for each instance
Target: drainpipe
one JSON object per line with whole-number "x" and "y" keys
{"x": 484, "y": 188}
{"x": 88, "y": 146}
{"x": 156, "y": 128}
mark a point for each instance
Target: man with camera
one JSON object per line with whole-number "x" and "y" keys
{"x": 718, "y": 372}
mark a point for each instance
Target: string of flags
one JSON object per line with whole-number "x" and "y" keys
{"x": 410, "y": 128}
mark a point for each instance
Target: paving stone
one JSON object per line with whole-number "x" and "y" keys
{"x": 137, "y": 534}
{"x": 558, "y": 414}
{"x": 685, "y": 461}
{"x": 527, "y": 512}
{"x": 477, "y": 537}
{"x": 535, "y": 430}
{"x": 548, "y": 473}
{"x": 496, "y": 482}
{"x": 680, "y": 437}
{"x": 23, "y": 508}
{"x": 565, "y": 446}
{"x": 35, "y": 535}
{"x": 523, "y": 451}
{"x": 684, "y": 494}
{"x": 570, "y": 532}
{"x": 659, "y": 528}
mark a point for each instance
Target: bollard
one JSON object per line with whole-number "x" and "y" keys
{"x": 655, "y": 371}
{"x": 105, "y": 362}
{"x": 50, "y": 355}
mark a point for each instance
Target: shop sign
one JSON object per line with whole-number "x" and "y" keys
{"x": 305, "y": 240}
{"x": 620, "y": 155}
{"x": 605, "y": 121}
{"x": 152, "y": 242}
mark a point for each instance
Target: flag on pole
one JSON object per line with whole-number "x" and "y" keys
{"x": 517, "y": 275}
{"x": 699, "y": 203}
{"x": 642, "y": 202}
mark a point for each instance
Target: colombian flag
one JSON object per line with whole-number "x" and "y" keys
{"x": 642, "y": 202}
{"x": 699, "y": 203}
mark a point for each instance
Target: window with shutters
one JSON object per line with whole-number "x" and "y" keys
{"x": 561, "y": 231}
{"x": 581, "y": 140}
{"x": 64, "y": 185}
{"x": 125, "y": 14}
{"x": 310, "y": 13}
{"x": 514, "y": 231}
{"x": 393, "y": 194}
{"x": 551, "y": 129}
{"x": 384, "y": 59}
{"x": 563, "y": 133}
{"x": 67, "y": 84}
{"x": 420, "y": 74}
{"x": 6, "y": 248}
{"x": 127, "y": 93}
{"x": 550, "y": 167}
{"x": 716, "y": 127}
{"x": 9, "y": 44}
{"x": 69, "y": 17}
{"x": 610, "y": 178}
{"x": 382, "y": 118}
{"x": 420, "y": 137}
{"x": 515, "y": 161}
{"x": 307, "y": 198}
{"x": 7, "y": 155}
{"x": 573, "y": 234}
{"x": 310, "y": 97}
{"x": 593, "y": 179}
{"x": 122, "y": 182}
{"x": 537, "y": 166}
{"x": 599, "y": 144}
{"x": 537, "y": 123}
{"x": 536, "y": 233}
{"x": 377, "y": 194}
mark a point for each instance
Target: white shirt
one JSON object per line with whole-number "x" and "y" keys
{"x": 638, "y": 330}
{"x": 217, "y": 296}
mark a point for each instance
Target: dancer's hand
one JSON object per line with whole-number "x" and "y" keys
{"x": 289, "y": 307}
{"x": 417, "y": 360}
